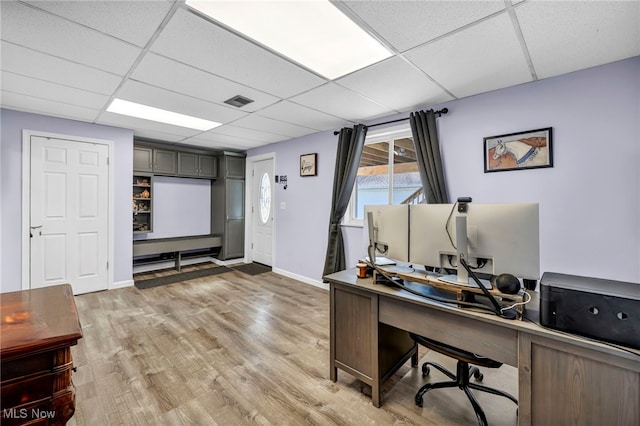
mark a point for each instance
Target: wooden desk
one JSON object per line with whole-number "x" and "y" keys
{"x": 562, "y": 379}
{"x": 37, "y": 330}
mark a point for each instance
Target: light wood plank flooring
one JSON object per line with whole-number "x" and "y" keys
{"x": 232, "y": 349}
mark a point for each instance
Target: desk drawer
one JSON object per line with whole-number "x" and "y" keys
{"x": 33, "y": 388}
{"x": 44, "y": 362}
{"x": 493, "y": 341}
{"x": 56, "y": 410}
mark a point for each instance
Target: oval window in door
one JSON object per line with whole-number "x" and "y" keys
{"x": 265, "y": 198}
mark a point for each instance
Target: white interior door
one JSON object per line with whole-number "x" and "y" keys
{"x": 69, "y": 198}
{"x": 262, "y": 212}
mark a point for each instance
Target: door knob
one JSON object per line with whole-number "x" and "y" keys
{"x": 31, "y": 228}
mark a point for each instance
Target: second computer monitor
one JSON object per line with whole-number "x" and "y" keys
{"x": 502, "y": 238}
{"x": 391, "y": 230}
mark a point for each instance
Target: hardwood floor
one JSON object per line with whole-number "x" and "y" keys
{"x": 232, "y": 349}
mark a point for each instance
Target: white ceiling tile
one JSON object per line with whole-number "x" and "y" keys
{"x": 397, "y": 84}
{"x": 336, "y": 100}
{"x": 171, "y": 75}
{"x": 220, "y": 141}
{"x": 194, "y": 40}
{"x": 307, "y": 117}
{"x": 132, "y": 21}
{"x": 256, "y": 122}
{"x": 157, "y": 136}
{"x": 160, "y": 98}
{"x": 26, "y": 62}
{"x": 26, "y": 103}
{"x": 482, "y": 58}
{"x": 67, "y": 59}
{"x": 407, "y": 24}
{"x": 199, "y": 143}
{"x": 250, "y": 145}
{"x": 17, "y": 83}
{"x": 140, "y": 124}
{"x": 249, "y": 134}
{"x": 568, "y": 36}
{"x": 44, "y": 32}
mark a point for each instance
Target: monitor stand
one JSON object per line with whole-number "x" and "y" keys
{"x": 453, "y": 279}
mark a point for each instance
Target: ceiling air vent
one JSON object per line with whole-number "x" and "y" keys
{"x": 238, "y": 101}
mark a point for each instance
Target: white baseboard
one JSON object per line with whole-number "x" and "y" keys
{"x": 121, "y": 284}
{"x": 228, "y": 262}
{"x": 302, "y": 278}
{"x": 171, "y": 264}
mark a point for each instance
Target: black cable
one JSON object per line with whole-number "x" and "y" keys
{"x": 446, "y": 225}
{"x": 492, "y": 299}
{"x": 481, "y": 263}
{"x": 417, "y": 293}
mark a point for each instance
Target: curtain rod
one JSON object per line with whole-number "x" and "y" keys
{"x": 439, "y": 113}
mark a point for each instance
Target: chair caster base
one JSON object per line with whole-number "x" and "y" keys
{"x": 477, "y": 374}
{"x": 425, "y": 369}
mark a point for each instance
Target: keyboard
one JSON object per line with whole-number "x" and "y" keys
{"x": 398, "y": 269}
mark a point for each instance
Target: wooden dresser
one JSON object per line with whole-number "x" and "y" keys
{"x": 38, "y": 328}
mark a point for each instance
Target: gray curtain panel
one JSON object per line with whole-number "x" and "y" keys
{"x": 350, "y": 145}
{"x": 425, "y": 138}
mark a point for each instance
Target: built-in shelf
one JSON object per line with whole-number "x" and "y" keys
{"x": 225, "y": 169}
{"x": 142, "y": 203}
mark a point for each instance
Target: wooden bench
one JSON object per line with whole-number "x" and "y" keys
{"x": 175, "y": 245}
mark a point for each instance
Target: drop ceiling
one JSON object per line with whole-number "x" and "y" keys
{"x": 70, "y": 59}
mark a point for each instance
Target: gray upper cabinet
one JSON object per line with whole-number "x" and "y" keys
{"x": 153, "y": 160}
{"x": 142, "y": 159}
{"x": 197, "y": 165}
{"x": 165, "y": 162}
{"x": 208, "y": 166}
{"x": 187, "y": 164}
{"x": 234, "y": 166}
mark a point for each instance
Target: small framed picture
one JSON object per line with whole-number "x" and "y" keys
{"x": 518, "y": 151}
{"x": 308, "y": 164}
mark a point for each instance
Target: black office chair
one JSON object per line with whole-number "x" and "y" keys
{"x": 461, "y": 378}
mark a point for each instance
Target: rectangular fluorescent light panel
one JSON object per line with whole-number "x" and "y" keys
{"x": 314, "y": 34}
{"x": 145, "y": 112}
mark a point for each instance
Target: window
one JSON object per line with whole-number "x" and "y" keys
{"x": 264, "y": 198}
{"x": 388, "y": 173}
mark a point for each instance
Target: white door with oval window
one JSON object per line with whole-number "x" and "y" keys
{"x": 262, "y": 212}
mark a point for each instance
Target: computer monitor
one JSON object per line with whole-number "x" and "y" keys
{"x": 390, "y": 229}
{"x": 501, "y": 238}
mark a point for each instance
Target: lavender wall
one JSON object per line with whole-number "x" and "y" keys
{"x": 589, "y": 201}
{"x": 301, "y": 227}
{"x": 13, "y": 123}
{"x": 174, "y": 200}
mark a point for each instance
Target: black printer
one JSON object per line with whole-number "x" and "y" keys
{"x": 593, "y": 307}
